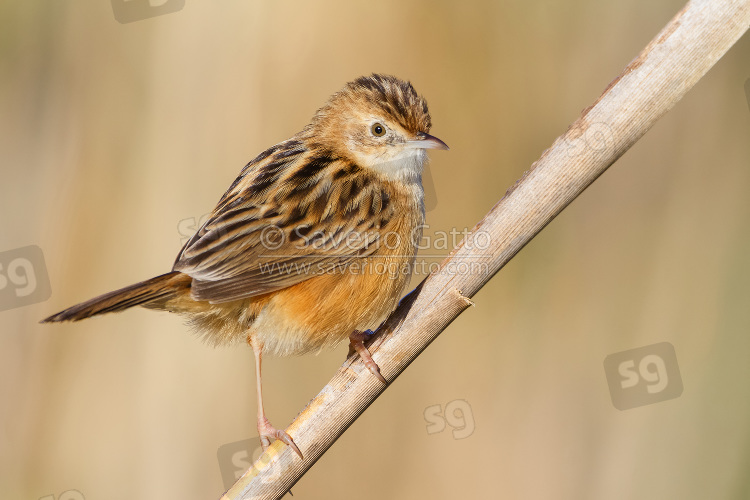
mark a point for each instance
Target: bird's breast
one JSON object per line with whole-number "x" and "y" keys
{"x": 325, "y": 309}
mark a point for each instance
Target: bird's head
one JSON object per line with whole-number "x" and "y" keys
{"x": 378, "y": 122}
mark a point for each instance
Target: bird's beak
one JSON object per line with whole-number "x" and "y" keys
{"x": 426, "y": 141}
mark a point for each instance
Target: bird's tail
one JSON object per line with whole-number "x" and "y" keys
{"x": 153, "y": 293}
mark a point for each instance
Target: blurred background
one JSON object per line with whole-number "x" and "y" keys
{"x": 117, "y": 137}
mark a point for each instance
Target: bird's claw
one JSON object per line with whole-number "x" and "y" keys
{"x": 357, "y": 344}
{"x": 268, "y": 433}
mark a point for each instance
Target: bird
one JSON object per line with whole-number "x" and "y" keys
{"x": 312, "y": 243}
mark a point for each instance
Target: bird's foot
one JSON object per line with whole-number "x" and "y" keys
{"x": 357, "y": 344}
{"x": 268, "y": 433}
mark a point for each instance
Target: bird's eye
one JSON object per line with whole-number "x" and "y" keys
{"x": 377, "y": 130}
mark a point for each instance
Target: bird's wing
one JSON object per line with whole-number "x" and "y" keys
{"x": 292, "y": 213}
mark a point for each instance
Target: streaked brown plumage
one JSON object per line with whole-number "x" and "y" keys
{"x": 314, "y": 240}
